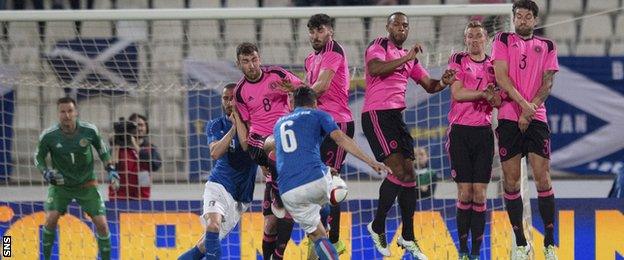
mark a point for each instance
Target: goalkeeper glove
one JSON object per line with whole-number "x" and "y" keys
{"x": 113, "y": 176}
{"x": 53, "y": 177}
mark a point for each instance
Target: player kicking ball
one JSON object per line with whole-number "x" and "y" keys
{"x": 304, "y": 181}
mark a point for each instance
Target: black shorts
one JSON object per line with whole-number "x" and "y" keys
{"x": 511, "y": 142}
{"x": 471, "y": 151}
{"x": 332, "y": 154}
{"x": 257, "y": 153}
{"x": 387, "y": 133}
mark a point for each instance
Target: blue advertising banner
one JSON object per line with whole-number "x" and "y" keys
{"x": 585, "y": 229}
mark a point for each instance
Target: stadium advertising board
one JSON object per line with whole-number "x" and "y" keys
{"x": 586, "y": 229}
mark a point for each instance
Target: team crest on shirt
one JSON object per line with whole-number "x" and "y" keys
{"x": 84, "y": 142}
{"x": 537, "y": 49}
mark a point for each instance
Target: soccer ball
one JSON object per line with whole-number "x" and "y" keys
{"x": 339, "y": 190}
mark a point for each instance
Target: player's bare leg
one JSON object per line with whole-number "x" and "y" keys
{"x": 513, "y": 201}
{"x": 324, "y": 249}
{"x": 49, "y": 232}
{"x": 545, "y": 200}
{"x": 103, "y": 235}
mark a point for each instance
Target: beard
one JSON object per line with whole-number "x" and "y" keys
{"x": 398, "y": 40}
{"x": 525, "y": 32}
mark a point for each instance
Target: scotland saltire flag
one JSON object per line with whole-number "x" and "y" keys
{"x": 93, "y": 62}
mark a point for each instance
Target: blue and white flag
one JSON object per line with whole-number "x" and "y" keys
{"x": 94, "y": 61}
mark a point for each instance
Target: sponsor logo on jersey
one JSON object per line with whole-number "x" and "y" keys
{"x": 537, "y": 49}
{"x": 84, "y": 142}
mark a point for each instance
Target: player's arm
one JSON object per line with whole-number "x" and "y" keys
{"x": 323, "y": 82}
{"x": 378, "y": 67}
{"x": 544, "y": 91}
{"x": 350, "y": 146}
{"x": 101, "y": 147}
{"x": 462, "y": 94}
{"x": 436, "y": 85}
{"x": 219, "y": 145}
{"x": 501, "y": 70}
{"x": 330, "y": 62}
{"x": 104, "y": 152}
{"x": 40, "y": 155}
{"x": 241, "y": 129}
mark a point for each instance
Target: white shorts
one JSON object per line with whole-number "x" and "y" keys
{"x": 305, "y": 202}
{"x": 218, "y": 200}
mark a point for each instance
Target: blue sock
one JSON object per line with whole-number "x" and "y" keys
{"x": 325, "y": 210}
{"x": 192, "y": 254}
{"x": 213, "y": 246}
{"x": 325, "y": 250}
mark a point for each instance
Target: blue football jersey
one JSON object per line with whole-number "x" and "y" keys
{"x": 298, "y": 138}
{"x": 235, "y": 170}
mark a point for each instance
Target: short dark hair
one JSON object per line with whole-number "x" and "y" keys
{"x": 393, "y": 14}
{"x": 230, "y": 85}
{"x": 318, "y": 20}
{"x": 475, "y": 24}
{"x": 304, "y": 96}
{"x": 135, "y": 117}
{"x": 525, "y": 4}
{"x": 246, "y": 48}
{"x": 65, "y": 100}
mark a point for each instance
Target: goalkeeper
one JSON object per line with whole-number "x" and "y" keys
{"x": 71, "y": 175}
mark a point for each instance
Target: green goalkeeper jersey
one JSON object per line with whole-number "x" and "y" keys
{"x": 71, "y": 155}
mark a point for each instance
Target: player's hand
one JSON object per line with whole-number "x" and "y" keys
{"x": 529, "y": 110}
{"x": 285, "y": 85}
{"x": 113, "y": 176}
{"x": 413, "y": 52}
{"x": 380, "y": 168}
{"x": 52, "y": 177}
{"x": 489, "y": 92}
{"x": 265, "y": 172}
{"x": 523, "y": 123}
{"x": 448, "y": 77}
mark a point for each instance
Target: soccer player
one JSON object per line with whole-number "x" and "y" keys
{"x": 71, "y": 175}
{"x": 327, "y": 72}
{"x": 388, "y": 68}
{"x": 229, "y": 189}
{"x": 304, "y": 180}
{"x": 261, "y": 98}
{"x": 525, "y": 66}
{"x": 470, "y": 139}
